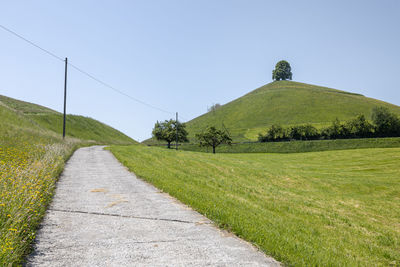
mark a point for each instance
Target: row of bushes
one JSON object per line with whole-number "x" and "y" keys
{"x": 384, "y": 124}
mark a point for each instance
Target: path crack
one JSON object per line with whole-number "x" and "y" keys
{"x": 123, "y": 216}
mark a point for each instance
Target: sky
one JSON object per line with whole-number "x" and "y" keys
{"x": 183, "y": 56}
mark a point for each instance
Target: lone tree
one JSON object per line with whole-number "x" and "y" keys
{"x": 214, "y": 107}
{"x": 167, "y": 131}
{"x": 282, "y": 71}
{"x": 213, "y": 137}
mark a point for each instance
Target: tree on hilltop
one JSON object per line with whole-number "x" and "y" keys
{"x": 214, "y": 107}
{"x": 166, "y": 131}
{"x": 282, "y": 71}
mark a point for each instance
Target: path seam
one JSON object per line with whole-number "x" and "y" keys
{"x": 126, "y": 216}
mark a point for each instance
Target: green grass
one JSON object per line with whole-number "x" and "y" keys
{"x": 80, "y": 127}
{"x": 285, "y": 103}
{"x": 299, "y": 146}
{"x": 32, "y": 155}
{"x": 332, "y": 208}
{"x": 24, "y": 107}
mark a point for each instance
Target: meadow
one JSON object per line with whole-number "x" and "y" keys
{"x": 330, "y": 208}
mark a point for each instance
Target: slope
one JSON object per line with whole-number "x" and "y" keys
{"x": 80, "y": 127}
{"x": 285, "y": 103}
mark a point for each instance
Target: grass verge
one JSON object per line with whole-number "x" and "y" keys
{"x": 29, "y": 167}
{"x": 333, "y": 208}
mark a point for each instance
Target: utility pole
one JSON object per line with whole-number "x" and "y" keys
{"x": 65, "y": 95}
{"x": 176, "y": 131}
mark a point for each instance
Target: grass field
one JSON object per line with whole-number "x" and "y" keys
{"x": 299, "y": 146}
{"x": 32, "y": 155}
{"x": 285, "y": 103}
{"x": 332, "y": 208}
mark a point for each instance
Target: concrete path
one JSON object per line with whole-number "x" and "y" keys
{"x": 102, "y": 215}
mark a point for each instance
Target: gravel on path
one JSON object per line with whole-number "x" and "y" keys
{"x": 103, "y": 215}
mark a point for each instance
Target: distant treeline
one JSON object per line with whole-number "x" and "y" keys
{"x": 384, "y": 124}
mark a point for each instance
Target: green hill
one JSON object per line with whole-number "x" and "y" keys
{"x": 285, "y": 103}
{"x": 38, "y": 117}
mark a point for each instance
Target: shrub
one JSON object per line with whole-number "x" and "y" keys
{"x": 359, "y": 128}
{"x": 303, "y": 132}
{"x": 275, "y": 133}
{"x": 387, "y": 124}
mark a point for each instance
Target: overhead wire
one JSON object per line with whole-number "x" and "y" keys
{"x": 116, "y": 90}
{"x": 86, "y": 73}
{"x": 32, "y": 43}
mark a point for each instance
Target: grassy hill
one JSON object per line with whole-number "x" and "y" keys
{"x": 32, "y": 155}
{"x": 285, "y": 103}
{"x": 80, "y": 127}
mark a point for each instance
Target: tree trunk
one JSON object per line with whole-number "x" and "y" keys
{"x": 169, "y": 144}
{"x": 213, "y": 149}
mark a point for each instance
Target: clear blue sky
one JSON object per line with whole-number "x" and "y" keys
{"x": 186, "y": 55}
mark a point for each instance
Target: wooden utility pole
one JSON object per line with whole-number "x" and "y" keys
{"x": 65, "y": 95}
{"x": 176, "y": 131}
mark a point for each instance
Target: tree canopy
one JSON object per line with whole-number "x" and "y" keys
{"x": 282, "y": 71}
{"x": 387, "y": 123}
{"x": 214, "y": 107}
{"x": 213, "y": 137}
{"x": 166, "y": 131}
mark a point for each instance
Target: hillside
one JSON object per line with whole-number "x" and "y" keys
{"x": 285, "y": 103}
{"x": 84, "y": 128}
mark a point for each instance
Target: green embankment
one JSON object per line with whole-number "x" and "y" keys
{"x": 285, "y": 103}
{"x": 332, "y": 208}
{"x": 299, "y": 146}
{"x": 80, "y": 127}
{"x": 32, "y": 155}
{"x": 83, "y": 128}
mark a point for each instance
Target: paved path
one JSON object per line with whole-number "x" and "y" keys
{"x": 102, "y": 215}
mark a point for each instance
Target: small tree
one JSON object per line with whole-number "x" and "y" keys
{"x": 303, "y": 132}
{"x": 275, "y": 133}
{"x": 335, "y": 131}
{"x": 295, "y": 132}
{"x": 359, "y": 127}
{"x": 387, "y": 124}
{"x": 310, "y": 132}
{"x": 214, "y": 107}
{"x": 167, "y": 131}
{"x": 213, "y": 137}
{"x": 282, "y": 71}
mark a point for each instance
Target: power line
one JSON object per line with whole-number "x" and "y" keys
{"x": 32, "y": 43}
{"x": 116, "y": 90}
{"x": 85, "y": 72}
